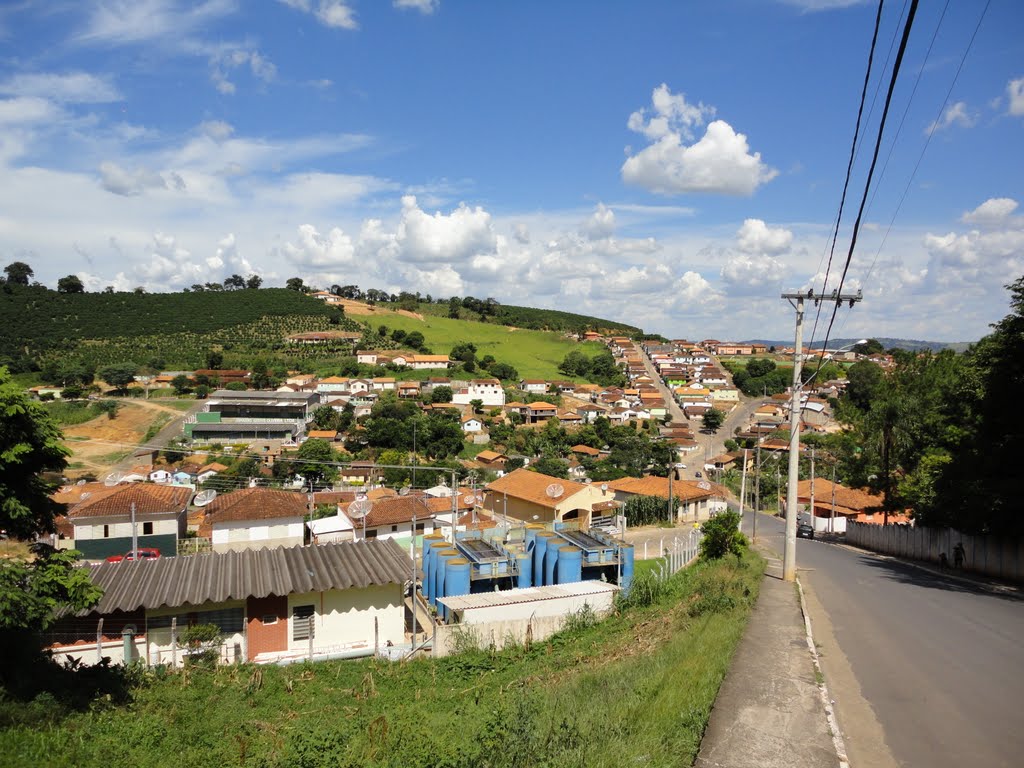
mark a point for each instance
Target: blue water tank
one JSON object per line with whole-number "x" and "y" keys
{"x": 570, "y": 564}
{"x": 540, "y": 547}
{"x": 626, "y": 559}
{"x": 441, "y": 558}
{"x": 551, "y": 561}
{"x": 531, "y": 533}
{"x": 525, "y": 562}
{"x": 430, "y": 572}
{"x": 456, "y": 579}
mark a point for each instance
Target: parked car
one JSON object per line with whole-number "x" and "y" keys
{"x": 142, "y": 553}
{"x": 699, "y": 475}
{"x": 805, "y": 531}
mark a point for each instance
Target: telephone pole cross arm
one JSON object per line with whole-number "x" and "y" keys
{"x": 796, "y": 300}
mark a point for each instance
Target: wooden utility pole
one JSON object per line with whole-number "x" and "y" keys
{"x": 743, "y": 485}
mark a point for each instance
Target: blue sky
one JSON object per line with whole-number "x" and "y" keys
{"x": 676, "y": 165}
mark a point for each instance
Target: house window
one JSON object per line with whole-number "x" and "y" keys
{"x": 269, "y": 619}
{"x": 371, "y": 534}
{"x": 147, "y": 529}
{"x": 302, "y": 625}
{"x": 419, "y": 527}
{"x": 106, "y": 531}
{"x": 394, "y": 529}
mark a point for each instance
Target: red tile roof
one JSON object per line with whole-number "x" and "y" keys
{"x": 148, "y": 498}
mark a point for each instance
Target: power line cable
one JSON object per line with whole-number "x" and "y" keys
{"x": 849, "y": 165}
{"x": 924, "y": 148}
{"x": 874, "y": 160}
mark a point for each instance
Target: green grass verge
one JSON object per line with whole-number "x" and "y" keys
{"x": 70, "y": 413}
{"x": 634, "y": 689}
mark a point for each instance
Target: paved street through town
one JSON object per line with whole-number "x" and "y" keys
{"x": 926, "y": 671}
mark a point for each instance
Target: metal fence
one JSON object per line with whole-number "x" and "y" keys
{"x": 678, "y": 552}
{"x": 1000, "y": 557}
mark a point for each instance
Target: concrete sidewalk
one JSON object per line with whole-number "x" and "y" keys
{"x": 770, "y": 711}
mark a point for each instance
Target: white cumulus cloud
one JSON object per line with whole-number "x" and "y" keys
{"x": 330, "y": 13}
{"x": 992, "y": 212}
{"x": 425, "y": 7}
{"x": 439, "y": 238}
{"x": 955, "y": 114}
{"x": 600, "y": 224}
{"x": 720, "y": 162}
{"x": 757, "y": 237}
{"x": 1015, "y": 95}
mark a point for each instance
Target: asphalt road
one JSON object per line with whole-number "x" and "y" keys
{"x": 710, "y": 445}
{"x": 925, "y": 670}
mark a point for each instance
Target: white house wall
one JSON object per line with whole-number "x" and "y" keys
{"x": 346, "y": 617}
{"x": 257, "y": 534}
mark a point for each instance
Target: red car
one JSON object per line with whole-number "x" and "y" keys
{"x": 142, "y": 553}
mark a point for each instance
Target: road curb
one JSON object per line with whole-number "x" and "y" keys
{"x": 830, "y": 714}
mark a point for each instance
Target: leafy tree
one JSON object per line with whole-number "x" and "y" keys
{"x": 119, "y": 375}
{"x": 311, "y": 461}
{"x": 202, "y": 392}
{"x": 414, "y": 340}
{"x": 236, "y": 386}
{"x": 551, "y": 465}
{"x": 870, "y": 347}
{"x": 19, "y": 273}
{"x": 722, "y": 536}
{"x": 398, "y": 335}
{"x": 713, "y": 419}
{"x": 181, "y": 384}
{"x": 325, "y": 417}
{"x": 32, "y": 590}
{"x": 576, "y": 363}
{"x": 214, "y": 359}
{"x": 254, "y": 282}
{"x": 760, "y": 367}
{"x": 864, "y": 379}
{"x": 295, "y": 284}
{"x": 70, "y": 284}
{"x": 234, "y": 282}
{"x": 503, "y": 371}
{"x": 731, "y": 445}
{"x": 478, "y": 405}
{"x": 454, "y": 305}
{"x": 441, "y": 394}
{"x": 464, "y": 352}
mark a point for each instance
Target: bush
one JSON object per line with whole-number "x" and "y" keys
{"x": 722, "y": 536}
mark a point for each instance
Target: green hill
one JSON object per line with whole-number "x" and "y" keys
{"x": 178, "y": 330}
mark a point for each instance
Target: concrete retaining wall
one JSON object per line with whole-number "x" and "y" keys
{"x": 1002, "y": 558}
{"x": 451, "y": 638}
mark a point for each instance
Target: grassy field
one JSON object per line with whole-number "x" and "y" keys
{"x": 635, "y": 689}
{"x": 535, "y": 354}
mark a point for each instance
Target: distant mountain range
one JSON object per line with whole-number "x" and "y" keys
{"x": 913, "y": 345}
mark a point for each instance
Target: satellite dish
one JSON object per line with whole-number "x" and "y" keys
{"x": 604, "y": 487}
{"x": 359, "y": 508}
{"x": 403, "y": 491}
{"x": 112, "y": 479}
{"x": 555, "y": 490}
{"x": 704, "y": 485}
{"x": 85, "y": 496}
{"x": 204, "y": 497}
{"x": 81, "y": 482}
{"x": 469, "y": 498}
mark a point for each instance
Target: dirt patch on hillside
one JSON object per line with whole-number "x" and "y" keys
{"x": 359, "y": 308}
{"x": 98, "y": 445}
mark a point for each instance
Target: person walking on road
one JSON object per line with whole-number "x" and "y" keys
{"x": 958, "y": 555}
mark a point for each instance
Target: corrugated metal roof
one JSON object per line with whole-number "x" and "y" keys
{"x": 528, "y": 595}
{"x": 216, "y": 577}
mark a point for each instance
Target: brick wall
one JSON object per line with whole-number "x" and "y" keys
{"x": 267, "y": 624}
